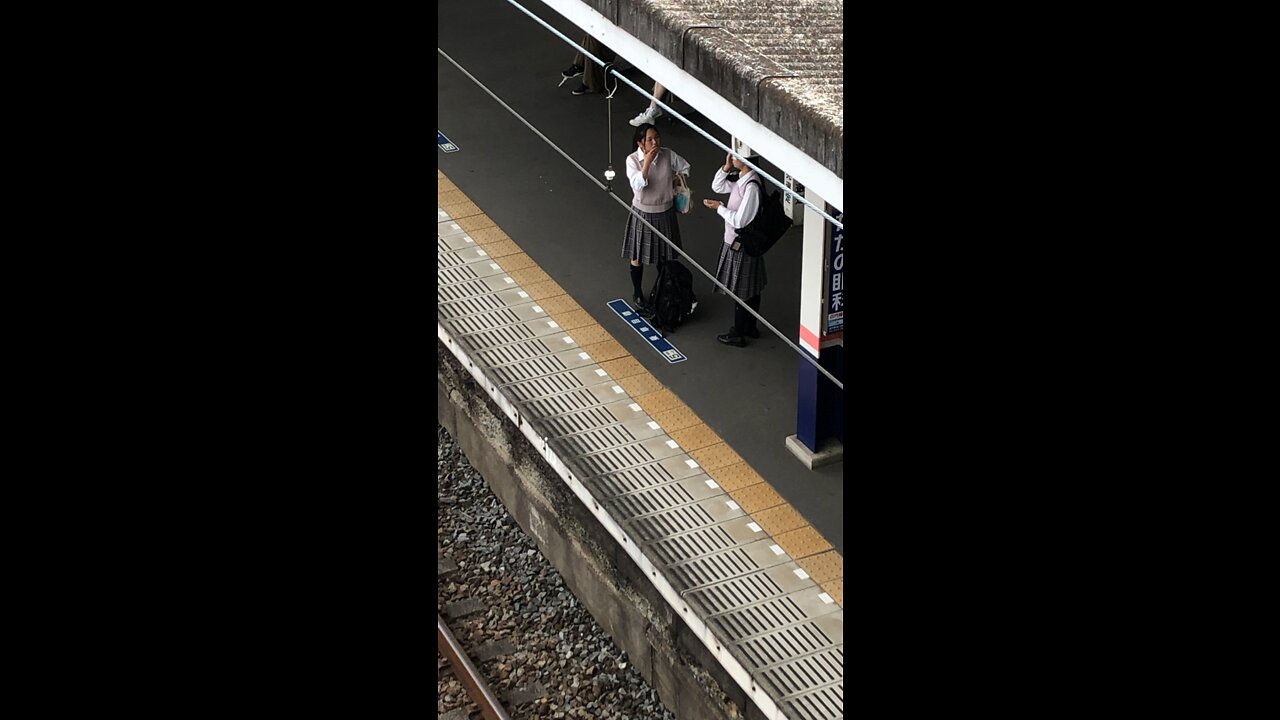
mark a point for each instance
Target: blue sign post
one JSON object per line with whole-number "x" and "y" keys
{"x": 819, "y": 404}
{"x": 444, "y": 143}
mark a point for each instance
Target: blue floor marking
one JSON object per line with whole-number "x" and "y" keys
{"x": 649, "y": 333}
{"x": 444, "y": 143}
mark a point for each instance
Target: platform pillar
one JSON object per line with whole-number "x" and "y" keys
{"x": 819, "y": 437}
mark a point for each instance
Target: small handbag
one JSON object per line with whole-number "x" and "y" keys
{"x": 683, "y": 197}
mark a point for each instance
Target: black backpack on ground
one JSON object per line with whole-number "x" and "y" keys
{"x": 672, "y": 299}
{"x": 767, "y": 226}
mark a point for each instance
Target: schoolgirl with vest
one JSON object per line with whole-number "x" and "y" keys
{"x": 651, "y": 172}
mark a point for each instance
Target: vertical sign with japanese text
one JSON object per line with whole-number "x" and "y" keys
{"x": 835, "y": 280}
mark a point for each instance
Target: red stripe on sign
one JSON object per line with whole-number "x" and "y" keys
{"x": 809, "y": 339}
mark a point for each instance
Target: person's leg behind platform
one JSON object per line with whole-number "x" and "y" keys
{"x": 651, "y": 113}
{"x": 593, "y": 79}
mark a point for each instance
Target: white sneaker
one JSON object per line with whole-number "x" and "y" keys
{"x": 646, "y": 117}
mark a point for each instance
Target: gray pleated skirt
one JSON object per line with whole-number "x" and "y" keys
{"x": 740, "y": 272}
{"x": 639, "y": 242}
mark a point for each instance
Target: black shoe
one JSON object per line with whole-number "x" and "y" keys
{"x": 730, "y": 338}
{"x": 643, "y": 308}
{"x": 582, "y": 90}
{"x": 572, "y": 71}
{"x": 753, "y": 333}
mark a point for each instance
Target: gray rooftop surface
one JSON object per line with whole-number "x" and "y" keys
{"x": 781, "y": 62}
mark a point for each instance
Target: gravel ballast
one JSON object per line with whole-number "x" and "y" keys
{"x": 563, "y": 664}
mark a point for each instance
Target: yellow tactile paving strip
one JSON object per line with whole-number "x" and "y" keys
{"x": 620, "y": 368}
{"x": 640, "y": 384}
{"x": 675, "y": 418}
{"x": 807, "y": 540}
{"x": 747, "y": 488}
{"x": 694, "y": 437}
{"x": 738, "y": 476}
{"x": 779, "y": 520}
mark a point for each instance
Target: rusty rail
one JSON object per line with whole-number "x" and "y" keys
{"x": 467, "y": 673}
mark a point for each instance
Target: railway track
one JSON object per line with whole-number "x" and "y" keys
{"x": 456, "y": 661}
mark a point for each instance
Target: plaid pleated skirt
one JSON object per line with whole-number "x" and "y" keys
{"x": 740, "y": 272}
{"x": 640, "y": 242}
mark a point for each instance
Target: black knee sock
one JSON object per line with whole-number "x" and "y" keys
{"x": 743, "y": 321}
{"x": 636, "y": 274}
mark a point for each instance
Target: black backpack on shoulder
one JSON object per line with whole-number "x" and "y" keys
{"x": 672, "y": 299}
{"x": 767, "y": 226}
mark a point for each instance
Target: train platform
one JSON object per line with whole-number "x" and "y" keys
{"x": 573, "y": 232}
{"x": 729, "y": 555}
{"x": 680, "y": 443}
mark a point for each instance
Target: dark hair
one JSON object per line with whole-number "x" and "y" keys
{"x": 641, "y": 131}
